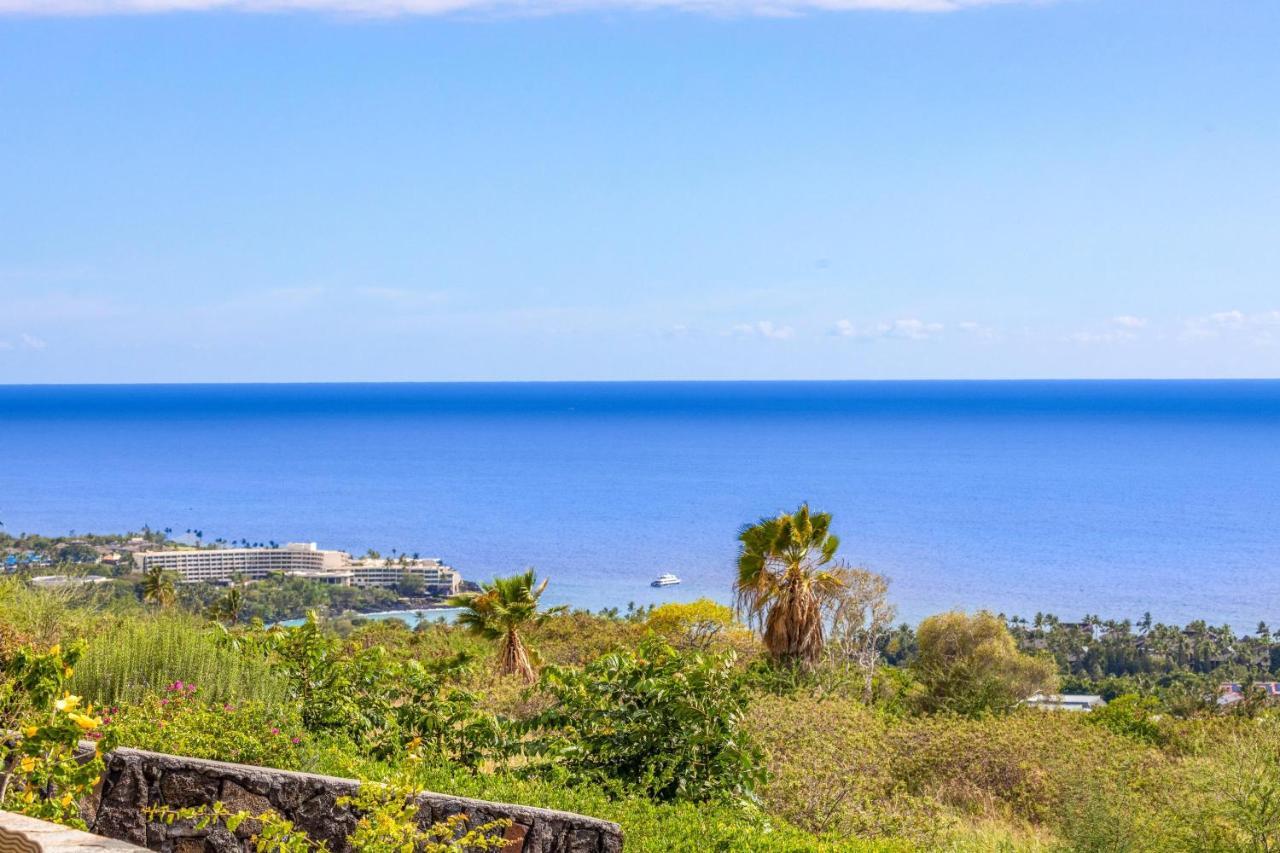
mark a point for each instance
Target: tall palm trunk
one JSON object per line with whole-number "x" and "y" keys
{"x": 793, "y": 628}
{"x": 513, "y": 657}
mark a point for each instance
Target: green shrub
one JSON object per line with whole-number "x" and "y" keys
{"x": 179, "y": 722}
{"x": 831, "y": 770}
{"x": 1236, "y": 787}
{"x": 1133, "y": 716}
{"x": 139, "y": 657}
{"x": 667, "y": 722}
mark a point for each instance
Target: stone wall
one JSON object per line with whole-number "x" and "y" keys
{"x": 134, "y": 780}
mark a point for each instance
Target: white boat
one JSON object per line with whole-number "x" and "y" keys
{"x": 666, "y": 579}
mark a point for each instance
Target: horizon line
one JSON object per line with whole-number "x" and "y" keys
{"x": 975, "y": 380}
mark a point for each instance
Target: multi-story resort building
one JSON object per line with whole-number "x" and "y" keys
{"x": 299, "y": 559}
{"x": 436, "y": 577}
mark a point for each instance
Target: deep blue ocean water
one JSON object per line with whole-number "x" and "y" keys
{"x": 1069, "y": 497}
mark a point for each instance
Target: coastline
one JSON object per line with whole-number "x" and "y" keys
{"x": 412, "y": 618}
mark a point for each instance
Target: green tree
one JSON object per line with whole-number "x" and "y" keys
{"x": 970, "y": 665}
{"x": 158, "y": 587}
{"x": 784, "y": 581}
{"x": 500, "y": 611}
{"x": 227, "y": 608}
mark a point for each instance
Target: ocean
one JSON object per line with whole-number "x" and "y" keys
{"x": 1114, "y": 498}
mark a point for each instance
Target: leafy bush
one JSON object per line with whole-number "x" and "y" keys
{"x": 1133, "y": 716}
{"x": 668, "y": 723}
{"x": 700, "y": 624}
{"x": 970, "y": 665}
{"x": 42, "y": 772}
{"x": 386, "y": 704}
{"x": 179, "y": 722}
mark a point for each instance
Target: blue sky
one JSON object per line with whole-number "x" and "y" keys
{"x": 475, "y": 189}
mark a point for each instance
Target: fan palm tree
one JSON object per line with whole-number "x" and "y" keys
{"x": 158, "y": 587}
{"x": 785, "y": 576}
{"x": 500, "y": 611}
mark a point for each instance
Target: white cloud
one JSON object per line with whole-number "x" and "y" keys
{"x": 1121, "y": 329}
{"x": 31, "y": 342}
{"x": 763, "y": 329}
{"x": 1115, "y": 336}
{"x": 367, "y": 8}
{"x": 905, "y": 328}
{"x": 978, "y": 330}
{"x": 1260, "y": 327}
{"x": 5, "y": 345}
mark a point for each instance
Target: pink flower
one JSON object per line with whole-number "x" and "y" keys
{"x": 274, "y": 730}
{"x": 295, "y": 740}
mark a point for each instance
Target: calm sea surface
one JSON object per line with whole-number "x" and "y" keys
{"x": 1071, "y": 497}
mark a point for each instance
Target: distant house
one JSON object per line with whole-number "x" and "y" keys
{"x": 1065, "y": 702}
{"x": 1232, "y": 692}
{"x": 1088, "y": 629}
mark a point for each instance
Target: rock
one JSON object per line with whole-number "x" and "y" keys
{"x": 186, "y": 788}
{"x": 583, "y": 841}
{"x": 514, "y": 836}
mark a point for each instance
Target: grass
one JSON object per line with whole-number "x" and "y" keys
{"x": 139, "y": 657}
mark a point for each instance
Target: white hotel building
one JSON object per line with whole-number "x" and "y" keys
{"x": 298, "y": 559}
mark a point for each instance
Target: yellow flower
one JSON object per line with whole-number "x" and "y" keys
{"x": 67, "y": 800}
{"x": 415, "y": 743}
{"x": 86, "y": 723}
{"x": 67, "y": 703}
{"x": 67, "y": 672}
{"x": 30, "y": 731}
{"x": 55, "y": 649}
{"x": 28, "y": 764}
{"x": 28, "y": 796}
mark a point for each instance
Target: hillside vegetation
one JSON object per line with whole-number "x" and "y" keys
{"x": 813, "y": 725}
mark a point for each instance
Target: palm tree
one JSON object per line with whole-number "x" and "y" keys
{"x": 227, "y": 609}
{"x": 783, "y": 582}
{"x": 499, "y": 612}
{"x": 158, "y": 588}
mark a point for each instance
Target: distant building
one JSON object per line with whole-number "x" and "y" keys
{"x": 302, "y": 560}
{"x": 1233, "y": 691}
{"x": 1065, "y": 702}
{"x": 68, "y": 580}
{"x": 436, "y": 577}
{"x": 215, "y": 564}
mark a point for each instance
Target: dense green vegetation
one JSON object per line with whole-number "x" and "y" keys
{"x": 691, "y": 729}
